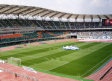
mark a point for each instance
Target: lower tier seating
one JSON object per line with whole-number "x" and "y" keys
{"x": 29, "y": 36}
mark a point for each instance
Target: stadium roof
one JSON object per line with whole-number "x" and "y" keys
{"x": 43, "y": 12}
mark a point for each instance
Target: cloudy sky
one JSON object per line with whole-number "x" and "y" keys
{"x": 70, "y": 6}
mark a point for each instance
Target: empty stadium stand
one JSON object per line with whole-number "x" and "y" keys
{"x": 53, "y": 34}
{"x": 20, "y": 29}
{"x": 30, "y": 36}
{"x": 16, "y": 23}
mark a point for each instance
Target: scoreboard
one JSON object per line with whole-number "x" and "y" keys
{"x": 106, "y": 22}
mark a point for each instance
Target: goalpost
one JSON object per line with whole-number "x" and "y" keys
{"x": 14, "y": 60}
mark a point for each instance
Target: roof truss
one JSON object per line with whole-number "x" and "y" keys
{"x": 107, "y": 17}
{"x": 54, "y": 14}
{"x": 34, "y": 11}
{"x": 69, "y": 16}
{"x": 62, "y": 15}
{"x": 39, "y": 12}
{"x": 29, "y": 12}
{"x": 47, "y": 13}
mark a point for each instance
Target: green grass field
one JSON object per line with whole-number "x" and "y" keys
{"x": 51, "y": 57}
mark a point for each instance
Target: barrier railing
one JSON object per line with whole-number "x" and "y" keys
{"x": 20, "y": 75}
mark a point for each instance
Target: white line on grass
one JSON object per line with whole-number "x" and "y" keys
{"x": 57, "y": 60}
{"x": 45, "y": 45}
{"x": 27, "y": 47}
{"x": 96, "y": 65}
{"x": 48, "y": 60}
{"x": 35, "y": 56}
{"x": 33, "y": 64}
{"x": 59, "y": 66}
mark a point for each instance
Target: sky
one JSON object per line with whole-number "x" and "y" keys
{"x": 69, "y": 6}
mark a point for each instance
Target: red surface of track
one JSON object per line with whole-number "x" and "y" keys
{"x": 108, "y": 77}
{"x": 36, "y": 43}
{"x": 4, "y": 76}
{"x": 99, "y": 74}
{"x": 40, "y": 76}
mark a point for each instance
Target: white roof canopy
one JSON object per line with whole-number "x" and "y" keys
{"x": 43, "y": 12}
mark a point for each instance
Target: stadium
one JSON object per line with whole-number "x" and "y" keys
{"x": 31, "y": 42}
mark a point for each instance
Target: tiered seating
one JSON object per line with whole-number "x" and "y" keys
{"x": 41, "y": 24}
{"x": 31, "y": 24}
{"x": 96, "y": 24}
{"x": 49, "y": 25}
{"x": 72, "y": 25}
{"x": 52, "y": 24}
{"x": 67, "y": 25}
{"x": 58, "y": 25}
{"x": 30, "y": 35}
{"x": 91, "y": 24}
{"x": 19, "y": 22}
{"x": 8, "y": 23}
{"x": 46, "y": 35}
{"x": 26, "y": 24}
{"x": 87, "y": 25}
{"x": 36, "y": 23}
{"x": 10, "y": 38}
{"x": 40, "y": 35}
{"x": 62, "y": 24}
{"x": 63, "y": 34}
{"x": 51, "y": 33}
{"x": 15, "y": 24}
{"x": 79, "y": 25}
{"x": 58, "y": 33}
{"x": 94, "y": 34}
{"x": 3, "y": 23}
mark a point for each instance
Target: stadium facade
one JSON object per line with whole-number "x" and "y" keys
{"x": 28, "y": 24}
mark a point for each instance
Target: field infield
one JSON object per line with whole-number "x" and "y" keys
{"x": 52, "y": 58}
